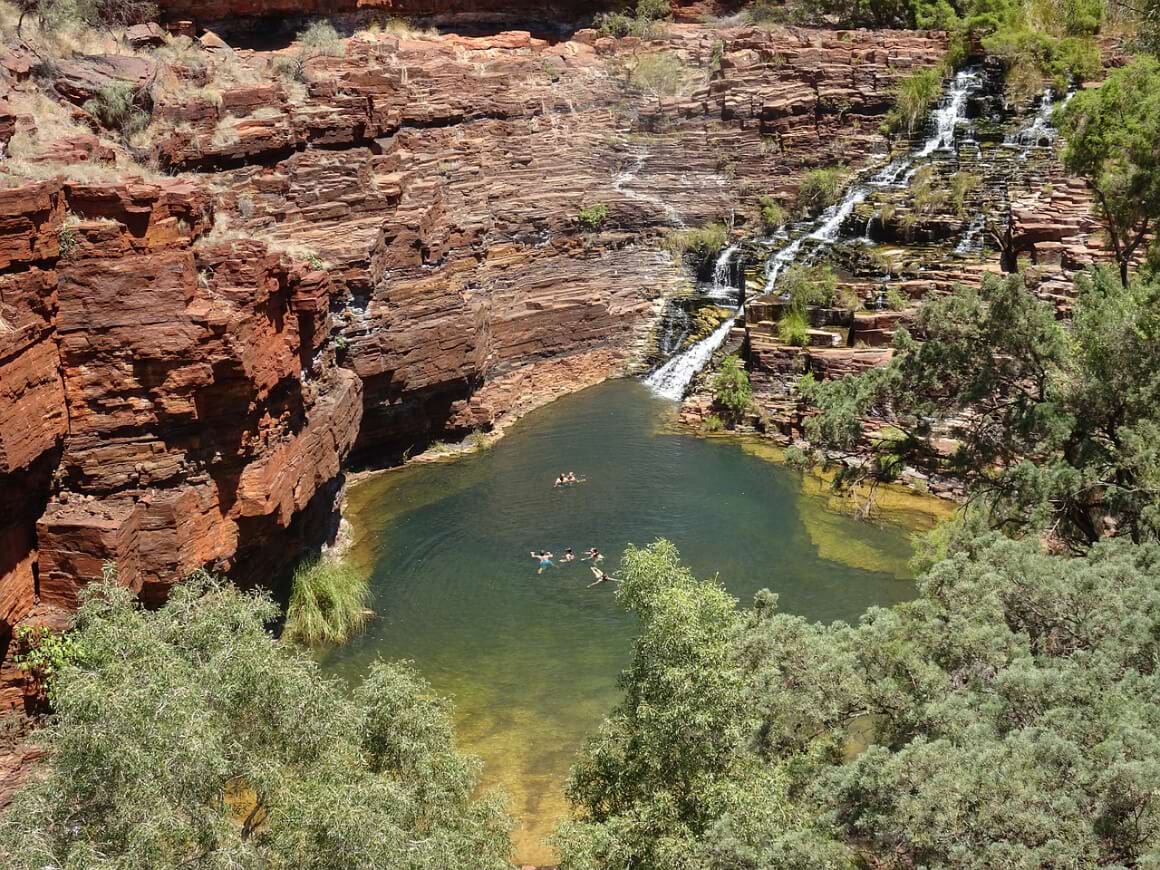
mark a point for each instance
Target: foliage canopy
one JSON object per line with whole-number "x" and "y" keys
{"x": 189, "y": 737}
{"x": 1010, "y": 714}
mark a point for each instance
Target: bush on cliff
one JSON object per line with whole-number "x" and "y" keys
{"x": 701, "y": 244}
{"x": 917, "y": 93}
{"x": 643, "y": 23}
{"x": 820, "y": 188}
{"x": 189, "y": 737}
{"x": 659, "y": 73}
{"x": 592, "y": 217}
{"x": 731, "y": 390}
{"x": 328, "y": 603}
{"x": 55, "y": 15}
{"x": 118, "y": 107}
{"x": 773, "y": 214}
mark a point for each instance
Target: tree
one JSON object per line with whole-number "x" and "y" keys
{"x": 1055, "y": 427}
{"x": 56, "y": 14}
{"x": 188, "y": 736}
{"x": 1007, "y": 719}
{"x": 642, "y": 782}
{"x": 1111, "y": 134}
{"x": 731, "y": 390}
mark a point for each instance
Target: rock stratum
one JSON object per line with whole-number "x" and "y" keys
{"x": 378, "y": 249}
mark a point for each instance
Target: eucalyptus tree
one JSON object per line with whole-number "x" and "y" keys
{"x": 1052, "y": 425}
{"x": 1111, "y": 134}
{"x": 189, "y": 737}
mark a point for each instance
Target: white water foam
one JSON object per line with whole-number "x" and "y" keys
{"x": 671, "y": 379}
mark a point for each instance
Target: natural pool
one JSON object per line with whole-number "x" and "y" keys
{"x": 531, "y": 660}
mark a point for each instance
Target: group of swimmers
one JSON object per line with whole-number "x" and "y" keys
{"x": 592, "y": 554}
{"x": 568, "y": 479}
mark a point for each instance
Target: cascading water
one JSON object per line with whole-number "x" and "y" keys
{"x": 1040, "y": 132}
{"x": 826, "y": 230}
{"x": 972, "y": 239}
{"x": 948, "y": 115}
{"x": 671, "y": 379}
{"x": 721, "y": 268}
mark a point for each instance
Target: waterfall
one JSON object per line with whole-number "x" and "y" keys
{"x": 671, "y": 379}
{"x": 948, "y": 115}
{"x": 721, "y": 268}
{"x": 827, "y": 228}
{"x": 971, "y": 240}
{"x": 1040, "y": 128}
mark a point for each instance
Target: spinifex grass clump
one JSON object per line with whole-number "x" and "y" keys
{"x": 328, "y": 604}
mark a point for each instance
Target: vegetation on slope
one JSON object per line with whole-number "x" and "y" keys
{"x": 328, "y": 603}
{"x": 189, "y": 737}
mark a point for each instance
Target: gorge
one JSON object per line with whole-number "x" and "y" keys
{"x": 276, "y": 277}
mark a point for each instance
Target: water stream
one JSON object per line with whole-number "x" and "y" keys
{"x": 828, "y": 227}
{"x": 531, "y": 660}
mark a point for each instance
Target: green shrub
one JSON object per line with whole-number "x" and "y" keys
{"x": 328, "y": 604}
{"x": 712, "y": 423}
{"x": 820, "y": 189}
{"x": 654, "y": 10}
{"x": 793, "y": 329}
{"x": 615, "y": 24}
{"x": 321, "y": 38}
{"x": 917, "y": 93}
{"x": 895, "y": 301}
{"x": 289, "y": 67}
{"x": 58, "y": 15}
{"x": 808, "y": 285}
{"x": 963, "y": 184}
{"x": 592, "y": 217}
{"x": 46, "y": 653}
{"x": 1033, "y": 59}
{"x": 773, "y": 214}
{"x": 731, "y": 390}
{"x": 660, "y": 73}
{"x": 67, "y": 237}
{"x": 702, "y": 243}
{"x": 645, "y": 23}
{"x": 765, "y": 12}
{"x": 116, "y": 107}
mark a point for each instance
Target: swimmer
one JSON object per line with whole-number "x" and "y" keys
{"x": 568, "y": 555}
{"x": 545, "y": 560}
{"x": 560, "y": 480}
{"x": 570, "y": 477}
{"x": 601, "y": 577}
{"x": 595, "y": 555}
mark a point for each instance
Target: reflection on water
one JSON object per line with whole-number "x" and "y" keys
{"x": 531, "y": 660}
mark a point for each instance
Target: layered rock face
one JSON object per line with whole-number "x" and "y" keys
{"x": 373, "y": 250}
{"x": 163, "y": 407}
{"x": 441, "y": 179}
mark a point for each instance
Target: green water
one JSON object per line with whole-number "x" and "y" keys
{"x": 531, "y": 660}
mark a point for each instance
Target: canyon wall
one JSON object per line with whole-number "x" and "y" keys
{"x": 379, "y": 249}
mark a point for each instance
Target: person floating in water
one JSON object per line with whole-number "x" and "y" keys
{"x": 568, "y": 555}
{"x": 545, "y": 560}
{"x": 601, "y": 577}
{"x": 594, "y": 555}
{"x": 561, "y": 480}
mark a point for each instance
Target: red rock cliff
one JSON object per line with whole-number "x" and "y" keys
{"x": 175, "y": 392}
